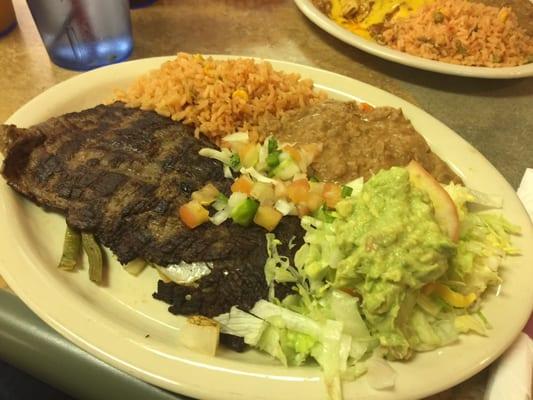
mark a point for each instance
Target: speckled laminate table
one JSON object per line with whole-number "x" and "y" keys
{"x": 495, "y": 116}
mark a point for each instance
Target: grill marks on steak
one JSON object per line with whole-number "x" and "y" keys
{"x": 215, "y": 293}
{"x": 118, "y": 172}
{"x": 122, "y": 174}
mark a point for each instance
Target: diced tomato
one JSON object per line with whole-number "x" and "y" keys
{"x": 302, "y": 209}
{"x": 365, "y": 107}
{"x": 317, "y": 187}
{"x": 298, "y": 191}
{"x": 193, "y": 214}
{"x": 249, "y": 155}
{"x": 206, "y": 195}
{"x": 280, "y": 190}
{"x": 264, "y": 192}
{"x": 331, "y": 194}
{"x": 242, "y": 184}
{"x": 293, "y": 152}
{"x": 267, "y": 217}
{"x": 314, "y": 201}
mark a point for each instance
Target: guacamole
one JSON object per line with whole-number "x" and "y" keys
{"x": 383, "y": 247}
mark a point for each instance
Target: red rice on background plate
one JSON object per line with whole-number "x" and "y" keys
{"x": 462, "y": 32}
{"x": 219, "y": 97}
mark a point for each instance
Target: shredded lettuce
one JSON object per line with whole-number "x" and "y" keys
{"x": 378, "y": 279}
{"x": 470, "y": 323}
{"x": 461, "y": 195}
{"x": 293, "y": 337}
{"x": 243, "y": 324}
{"x": 270, "y": 343}
{"x": 485, "y": 241}
{"x": 328, "y": 355}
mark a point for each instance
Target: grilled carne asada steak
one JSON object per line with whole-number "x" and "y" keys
{"x": 122, "y": 173}
{"x": 216, "y": 292}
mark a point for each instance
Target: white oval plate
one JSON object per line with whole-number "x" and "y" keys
{"x": 321, "y": 20}
{"x": 122, "y": 325}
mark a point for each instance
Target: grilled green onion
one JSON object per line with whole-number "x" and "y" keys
{"x": 272, "y": 159}
{"x": 346, "y": 191}
{"x": 71, "y": 249}
{"x": 234, "y": 161}
{"x": 272, "y": 145}
{"x": 323, "y": 214}
{"x": 94, "y": 253}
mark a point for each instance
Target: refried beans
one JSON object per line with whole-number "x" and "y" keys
{"x": 357, "y": 141}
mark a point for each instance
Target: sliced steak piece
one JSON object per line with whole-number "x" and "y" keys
{"x": 122, "y": 174}
{"x": 245, "y": 282}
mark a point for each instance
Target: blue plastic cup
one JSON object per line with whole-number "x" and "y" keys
{"x": 84, "y": 34}
{"x": 7, "y": 17}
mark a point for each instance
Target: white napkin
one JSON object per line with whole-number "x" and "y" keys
{"x": 510, "y": 378}
{"x": 525, "y": 191}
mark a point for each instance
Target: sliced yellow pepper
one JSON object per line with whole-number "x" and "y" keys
{"x": 451, "y": 297}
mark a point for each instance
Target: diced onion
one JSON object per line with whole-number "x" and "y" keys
{"x": 235, "y": 199}
{"x": 227, "y": 172}
{"x": 286, "y": 170}
{"x": 186, "y": 273}
{"x": 238, "y": 137}
{"x": 257, "y": 175}
{"x": 200, "y": 334}
{"x": 299, "y": 176}
{"x": 135, "y": 267}
{"x": 284, "y": 207}
{"x": 264, "y": 193}
{"x": 220, "y": 204}
{"x": 220, "y": 216}
{"x": 263, "y": 154}
{"x": 222, "y": 155}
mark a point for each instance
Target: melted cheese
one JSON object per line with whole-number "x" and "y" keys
{"x": 378, "y": 13}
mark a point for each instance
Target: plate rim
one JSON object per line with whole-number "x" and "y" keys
{"x": 399, "y": 57}
{"x": 144, "y": 374}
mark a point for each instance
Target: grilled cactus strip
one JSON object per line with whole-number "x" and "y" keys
{"x": 71, "y": 249}
{"x": 94, "y": 253}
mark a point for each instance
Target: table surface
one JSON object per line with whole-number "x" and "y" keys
{"x": 496, "y": 116}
